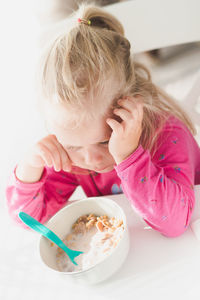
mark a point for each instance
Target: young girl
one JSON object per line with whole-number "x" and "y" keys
{"x": 111, "y": 130}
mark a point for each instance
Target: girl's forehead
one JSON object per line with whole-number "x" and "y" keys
{"x": 70, "y": 125}
{"x": 84, "y": 134}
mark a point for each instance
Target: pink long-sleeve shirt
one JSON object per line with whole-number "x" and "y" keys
{"x": 159, "y": 187}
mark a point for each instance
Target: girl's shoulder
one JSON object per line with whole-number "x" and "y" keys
{"x": 174, "y": 125}
{"x": 173, "y": 133}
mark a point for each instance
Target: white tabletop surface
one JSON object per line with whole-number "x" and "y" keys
{"x": 157, "y": 267}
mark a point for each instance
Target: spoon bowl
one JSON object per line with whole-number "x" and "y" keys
{"x": 37, "y": 226}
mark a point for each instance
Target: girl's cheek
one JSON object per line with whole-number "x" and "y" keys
{"x": 78, "y": 156}
{"x": 74, "y": 157}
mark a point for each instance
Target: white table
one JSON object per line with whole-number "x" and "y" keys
{"x": 156, "y": 268}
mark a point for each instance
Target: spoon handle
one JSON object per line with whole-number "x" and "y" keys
{"x": 37, "y": 226}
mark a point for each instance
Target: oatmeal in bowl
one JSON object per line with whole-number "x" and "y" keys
{"x": 97, "y": 226}
{"x": 96, "y": 236}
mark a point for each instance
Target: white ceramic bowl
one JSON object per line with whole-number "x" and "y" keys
{"x": 61, "y": 224}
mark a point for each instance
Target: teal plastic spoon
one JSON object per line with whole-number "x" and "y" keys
{"x": 37, "y": 226}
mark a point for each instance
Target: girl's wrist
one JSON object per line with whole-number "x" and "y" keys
{"x": 119, "y": 159}
{"x": 28, "y": 174}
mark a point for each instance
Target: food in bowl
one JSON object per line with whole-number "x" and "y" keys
{"x": 61, "y": 224}
{"x": 96, "y": 236}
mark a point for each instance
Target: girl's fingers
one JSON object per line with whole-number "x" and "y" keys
{"x": 50, "y": 152}
{"x": 128, "y": 104}
{"x": 53, "y": 152}
{"x": 115, "y": 126}
{"x": 55, "y": 156}
{"x": 139, "y": 115}
{"x": 134, "y": 108}
{"x": 45, "y": 155}
{"x": 123, "y": 113}
{"x": 65, "y": 160}
{"x": 141, "y": 105}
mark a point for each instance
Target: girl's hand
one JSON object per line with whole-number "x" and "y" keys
{"x": 48, "y": 151}
{"x": 125, "y": 135}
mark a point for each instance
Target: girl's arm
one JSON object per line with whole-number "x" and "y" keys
{"x": 161, "y": 188}
{"x": 41, "y": 199}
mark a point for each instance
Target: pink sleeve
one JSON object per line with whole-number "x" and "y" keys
{"x": 41, "y": 199}
{"x": 161, "y": 189}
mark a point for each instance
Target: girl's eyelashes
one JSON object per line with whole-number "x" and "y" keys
{"x": 77, "y": 148}
{"x": 72, "y": 148}
{"x": 104, "y": 143}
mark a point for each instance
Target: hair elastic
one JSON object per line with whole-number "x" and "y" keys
{"x": 87, "y": 22}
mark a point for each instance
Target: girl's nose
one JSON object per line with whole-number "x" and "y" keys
{"x": 92, "y": 158}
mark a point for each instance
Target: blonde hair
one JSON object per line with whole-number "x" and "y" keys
{"x": 82, "y": 59}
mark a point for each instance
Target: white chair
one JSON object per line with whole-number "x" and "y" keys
{"x": 153, "y": 24}
{"x": 191, "y": 102}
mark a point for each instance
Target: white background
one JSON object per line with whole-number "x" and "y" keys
{"x": 20, "y": 123}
